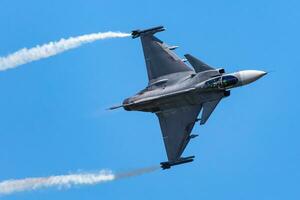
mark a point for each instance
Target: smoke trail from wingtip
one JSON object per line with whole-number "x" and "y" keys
{"x": 62, "y": 181}
{"x": 66, "y": 181}
{"x": 136, "y": 172}
{"x": 25, "y": 55}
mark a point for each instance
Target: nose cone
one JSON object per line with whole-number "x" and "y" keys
{"x": 249, "y": 76}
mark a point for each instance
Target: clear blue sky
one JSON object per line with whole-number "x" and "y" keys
{"x": 53, "y": 118}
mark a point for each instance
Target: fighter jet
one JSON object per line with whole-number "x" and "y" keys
{"x": 177, "y": 93}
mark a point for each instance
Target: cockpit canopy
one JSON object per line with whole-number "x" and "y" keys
{"x": 226, "y": 81}
{"x": 229, "y": 81}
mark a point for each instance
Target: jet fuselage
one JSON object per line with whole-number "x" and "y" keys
{"x": 186, "y": 88}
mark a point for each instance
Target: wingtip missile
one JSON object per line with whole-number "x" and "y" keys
{"x": 169, "y": 164}
{"x": 138, "y": 32}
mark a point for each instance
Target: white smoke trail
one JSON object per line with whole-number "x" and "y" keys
{"x": 66, "y": 181}
{"x": 12, "y": 186}
{"x": 25, "y": 55}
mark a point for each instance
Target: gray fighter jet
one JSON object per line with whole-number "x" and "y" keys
{"x": 177, "y": 93}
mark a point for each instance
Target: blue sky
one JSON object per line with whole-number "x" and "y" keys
{"x": 53, "y": 118}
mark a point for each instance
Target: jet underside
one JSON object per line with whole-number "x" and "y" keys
{"x": 165, "y": 102}
{"x": 177, "y": 93}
